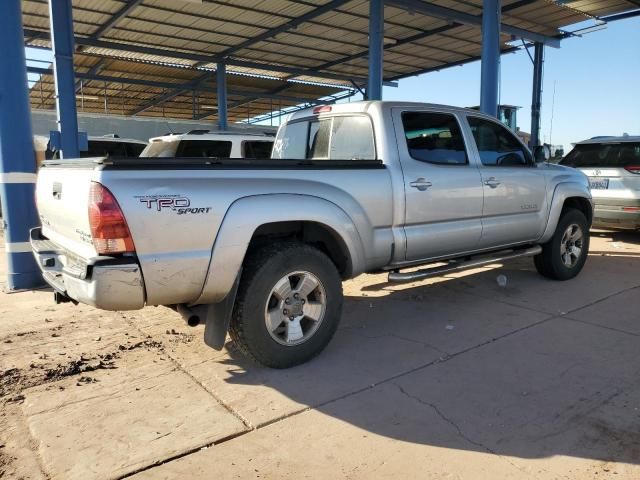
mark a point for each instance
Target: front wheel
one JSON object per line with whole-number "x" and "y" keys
{"x": 288, "y": 306}
{"x": 564, "y": 255}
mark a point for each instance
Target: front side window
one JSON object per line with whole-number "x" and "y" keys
{"x": 497, "y": 146}
{"x": 434, "y": 138}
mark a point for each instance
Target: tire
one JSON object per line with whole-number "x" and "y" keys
{"x": 558, "y": 259}
{"x": 261, "y": 329}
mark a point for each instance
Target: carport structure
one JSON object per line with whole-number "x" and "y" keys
{"x": 241, "y": 60}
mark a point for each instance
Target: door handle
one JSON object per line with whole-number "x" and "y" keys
{"x": 492, "y": 182}
{"x": 421, "y": 184}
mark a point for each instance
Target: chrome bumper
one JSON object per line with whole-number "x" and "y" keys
{"x": 107, "y": 283}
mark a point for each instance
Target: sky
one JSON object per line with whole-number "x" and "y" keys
{"x": 596, "y": 80}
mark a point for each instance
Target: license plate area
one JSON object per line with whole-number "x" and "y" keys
{"x": 598, "y": 183}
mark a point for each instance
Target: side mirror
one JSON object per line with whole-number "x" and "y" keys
{"x": 541, "y": 153}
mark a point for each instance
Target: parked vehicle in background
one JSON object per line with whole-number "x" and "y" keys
{"x": 107, "y": 146}
{"x": 260, "y": 247}
{"x": 613, "y": 167}
{"x": 204, "y": 143}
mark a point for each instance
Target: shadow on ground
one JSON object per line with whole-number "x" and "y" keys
{"x": 536, "y": 369}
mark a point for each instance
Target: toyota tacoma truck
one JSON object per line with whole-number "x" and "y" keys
{"x": 259, "y": 248}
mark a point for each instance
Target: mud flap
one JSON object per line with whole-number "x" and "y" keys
{"x": 217, "y": 317}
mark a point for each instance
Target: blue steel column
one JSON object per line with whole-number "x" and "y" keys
{"x": 17, "y": 159}
{"x": 376, "y": 39}
{"x": 536, "y": 96}
{"x": 221, "y": 83}
{"x": 62, "y": 45}
{"x": 490, "y": 73}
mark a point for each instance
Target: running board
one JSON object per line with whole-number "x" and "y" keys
{"x": 453, "y": 266}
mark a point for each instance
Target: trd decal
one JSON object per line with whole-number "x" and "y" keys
{"x": 177, "y": 203}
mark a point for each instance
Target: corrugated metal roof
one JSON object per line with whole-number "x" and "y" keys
{"x": 317, "y": 41}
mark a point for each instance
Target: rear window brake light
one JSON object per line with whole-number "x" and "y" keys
{"x": 321, "y": 109}
{"x": 633, "y": 169}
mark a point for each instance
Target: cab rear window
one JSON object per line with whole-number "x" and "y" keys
{"x": 612, "y": 155}
{"x": 328, "y": 138}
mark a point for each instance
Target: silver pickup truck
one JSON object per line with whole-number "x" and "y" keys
{"x": 259, "y": 248}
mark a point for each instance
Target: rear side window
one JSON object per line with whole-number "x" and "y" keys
{"x": 612, "y": 155}
{"x": 335, "y": 138}
{"x": 497, "y": 146}
{"x": 161, "y": 149}
{"x": 256, "y": 149}
{"x": 135, "y": 149}
{"x": 434, "y": 138}
{"x": 100, "y": 148}
{"x": 204, "y": 148}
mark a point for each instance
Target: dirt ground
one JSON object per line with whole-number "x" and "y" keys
{"x": 451, "y": 378}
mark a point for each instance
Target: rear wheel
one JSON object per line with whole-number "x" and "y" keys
{"x": 564, "y": 255}
{"x": 288, "y": 305}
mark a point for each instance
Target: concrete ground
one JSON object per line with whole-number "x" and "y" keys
{"x": 451, "y": 378}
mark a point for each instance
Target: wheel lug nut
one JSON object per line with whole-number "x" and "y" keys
{"x": 285, "y": 311}
{"x": 303, "y": 301}
{"x": 291, "y": 319}
{"x": 296, "y": 296}
{"x": 287, "y": 301}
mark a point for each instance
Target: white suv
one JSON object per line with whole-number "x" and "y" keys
{"x": 203, "y": 143}
{"x": 613, "y": 167}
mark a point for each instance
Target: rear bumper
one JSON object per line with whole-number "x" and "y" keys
{"x": 108, "y": 283}
{"x": 612, "y": 214}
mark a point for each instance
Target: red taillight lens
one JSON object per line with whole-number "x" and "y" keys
{"x": 108, "y": 227}
{"x": 633, "y": 169}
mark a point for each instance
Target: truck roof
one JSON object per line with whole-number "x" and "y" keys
{"x": 367, "y": 105}
{"x": 610, "y": 139}
{"x": 212, "y": 135}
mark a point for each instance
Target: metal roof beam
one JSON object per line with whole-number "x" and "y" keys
{"x": 468, "y": 19}
{"x": 97, "y": 68}
{"x": 109, "y": 24}
{"x": 316, "y": 12}
{"x": 199, "y": 57}
{"x": 181, "y": 87}
{"x": 417, "y": 37}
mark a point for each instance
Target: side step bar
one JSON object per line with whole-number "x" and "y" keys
{"x": 455, "y": 266}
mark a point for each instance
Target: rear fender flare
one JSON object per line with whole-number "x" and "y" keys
{"x": 247, "y": 214}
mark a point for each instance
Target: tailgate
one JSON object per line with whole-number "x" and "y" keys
{"x": 62, "y": 196}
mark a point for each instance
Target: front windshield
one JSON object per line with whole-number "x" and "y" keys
{"x": 161, "y": 149}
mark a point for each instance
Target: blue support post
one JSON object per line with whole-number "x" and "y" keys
{"x": 221, "y": 84}
{"x": 62, "y": 44}
{"x": 536, "y": 96}
{"x": 17, "y": 158}
{"x": 490, "y": 73}
{"x": 376, "y": 44}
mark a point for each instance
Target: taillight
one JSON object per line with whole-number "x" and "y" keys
{"x": 633, "y": 169}
{"x": 108, "y": 227}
